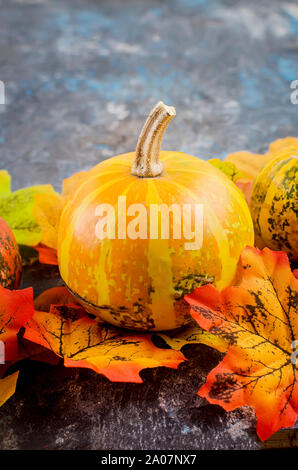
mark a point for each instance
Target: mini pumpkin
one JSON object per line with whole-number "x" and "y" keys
{"x": 274, "y": 204}
{"x": 139, "y": 282}
{"x": 10, "y": 259}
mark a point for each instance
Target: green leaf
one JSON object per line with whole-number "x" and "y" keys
{"x": 228, "y": 168}
{"x": 4, "y": 183}
{"x": 16, "y": 209}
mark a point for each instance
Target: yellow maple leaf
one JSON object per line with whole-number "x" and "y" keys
{"x": 193, "y": 334}
{"x": 119, "y": 355}
{"x": 8, "y": 387}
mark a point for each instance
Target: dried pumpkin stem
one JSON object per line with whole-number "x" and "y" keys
{"x": 147, "y": 163}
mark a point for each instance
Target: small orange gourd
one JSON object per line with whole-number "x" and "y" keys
{"x": 274, "y": 203}
{"x": 136, "y": 281}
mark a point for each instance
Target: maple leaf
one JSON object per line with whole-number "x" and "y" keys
{"x": 16, "y": 308}
{"x": 34, "y": 352}
{"x": 250, "y": 164}
{"x": 258, "y": 319}
{"x": 54, "y": 296}
{"x": 16, "y": 208}
{"x": 47, "y": 210}
{"x": 30, "y": 351}
{"x": 193, "y": 334}
{"x": 82, "y": 342}
{"x": 280, "y": 145}
{"x": 46, "y": 255}
{"x": 7, "y": 387}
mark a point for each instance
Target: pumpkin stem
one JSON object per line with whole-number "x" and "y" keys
{"x": 147, "y": 163}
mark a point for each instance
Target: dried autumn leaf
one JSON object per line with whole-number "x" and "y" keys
{"x": 280, "y": 145}
{"x": 35, "y": 352}
{"x": 82, "y": 342}
{"x": 8, "y": 387}
{"x": 249, "y": 164}
{"x": 46, "y": 255}
{"x": 193, "y": 334}
{"x": 16, "y": 208}
{"x": 258, "y": 318}
{"x": 32, "y": 352}
{"x": 47, "y": 210}
{"x": 22, "y": 348}
{"x": 16, "y": 308}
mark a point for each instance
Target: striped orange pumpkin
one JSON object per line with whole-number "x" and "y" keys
{"x": 274, "y": 203}
{"x": 140, "y": 283}
{"x": 10, "y": 259}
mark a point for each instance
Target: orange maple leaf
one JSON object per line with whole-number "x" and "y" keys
{"x": 46, "y": 254}
{"x": 258, "y": 318}
{"x": 7, "y": 387}
{"x": 248, "y": 163}
{"x": 82, "y": 342}
{"x": 16, "y": 308}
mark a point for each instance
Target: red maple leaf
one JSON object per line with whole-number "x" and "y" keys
{"x": 16, "y": 308}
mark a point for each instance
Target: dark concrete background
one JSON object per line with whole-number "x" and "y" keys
{"x": 80, "y": 77}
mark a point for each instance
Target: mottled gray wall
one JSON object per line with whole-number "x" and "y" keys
{"x": 81, "y": 75}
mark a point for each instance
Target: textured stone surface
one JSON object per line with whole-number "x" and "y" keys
{"x": 80, "y": 77}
